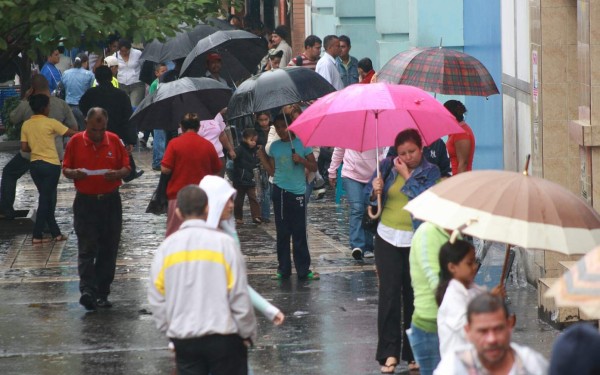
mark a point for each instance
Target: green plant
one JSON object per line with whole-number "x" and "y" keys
{"x": 13, "y": 131}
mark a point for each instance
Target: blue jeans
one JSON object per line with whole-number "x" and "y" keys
{"x": 426, "y": 349}
{"x": 358, "y": 236}
{"x": 45, "y": 176}
{"x": 158, "y": 147}
{"x": 266, "y": 192}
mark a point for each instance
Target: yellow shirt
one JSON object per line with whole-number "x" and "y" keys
{"x": 394, "y": 215}
{"x": 39, "y": 132}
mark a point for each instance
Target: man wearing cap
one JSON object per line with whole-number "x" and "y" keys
{"x": 113, "y": 64}
{"x": 96, "y": 161}
{"x": 312, "y": 51}
{"x": 213, "y": 67}
{"x": 326, "y": 66}
{"x": 278, "y": 41}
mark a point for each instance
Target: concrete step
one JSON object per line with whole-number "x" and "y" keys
{"x": 558, "y": 317}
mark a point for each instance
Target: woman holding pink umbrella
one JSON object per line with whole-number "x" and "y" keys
{"x": 402, "y": 179}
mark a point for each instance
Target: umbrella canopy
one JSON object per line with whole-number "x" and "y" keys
{"x": 580, "y": 286}
{"x": 364, "y": 117}
{"x": 165, "y": 108}
{"x": 240, "y": 52}
{"x": 176, "y": 47}
{"x": 276, "y": 88}
{"x": 512, "y": 208}
{"x": 439, "y": 70}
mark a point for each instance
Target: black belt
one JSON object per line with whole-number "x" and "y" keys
{"x": 98, "y": 196}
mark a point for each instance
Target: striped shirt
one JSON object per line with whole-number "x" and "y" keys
{"x": 306, "y": 62}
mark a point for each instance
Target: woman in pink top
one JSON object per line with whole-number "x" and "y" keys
{"x": 357, "y": 170}
{"x": 461, "y": 147}
{"x": 214, "y": 132}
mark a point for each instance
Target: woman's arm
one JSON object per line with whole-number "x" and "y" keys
{"x": 25, "y": 147}
{"x": 463, "y": 151}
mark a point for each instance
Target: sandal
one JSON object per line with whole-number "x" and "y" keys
{"x": 413, "y": 366}
{"x": 61, "y": 237}
{"x": 239, "y": 221}
{"x": 390, "y": 366}
{"x": 39, "y": 241}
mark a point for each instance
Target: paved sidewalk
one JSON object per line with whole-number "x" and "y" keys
{"x": 330, "y": 325}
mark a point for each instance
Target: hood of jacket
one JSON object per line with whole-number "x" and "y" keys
{"x": 219, "y": 191}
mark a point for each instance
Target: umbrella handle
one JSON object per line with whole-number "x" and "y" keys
{"x": 377, "y": 214}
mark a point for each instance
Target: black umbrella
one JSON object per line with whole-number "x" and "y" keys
{"x": 240, "y": 52}
{"x": 177, "y": 47}
{"x": 165, "y": 108}
{"x": 276, "y": 88}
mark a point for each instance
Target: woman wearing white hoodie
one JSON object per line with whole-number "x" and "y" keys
{"x": 219, "y": 192}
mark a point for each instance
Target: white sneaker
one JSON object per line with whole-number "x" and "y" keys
{"x": 368, "y": 254}
{"x": 357, "y": 253}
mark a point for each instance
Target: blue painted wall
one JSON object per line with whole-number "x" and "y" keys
{"x": 482, "y": 39}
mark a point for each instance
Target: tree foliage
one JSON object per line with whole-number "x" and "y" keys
{"x": 38, "y": 25}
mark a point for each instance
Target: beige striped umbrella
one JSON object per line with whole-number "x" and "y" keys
{"x": 512, "y": 208}
{"x": 580, "y": 286}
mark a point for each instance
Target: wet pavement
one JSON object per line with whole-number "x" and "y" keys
{"x": 330, "y": 324}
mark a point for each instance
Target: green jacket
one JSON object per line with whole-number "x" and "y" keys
{"x": 425, "y": 273}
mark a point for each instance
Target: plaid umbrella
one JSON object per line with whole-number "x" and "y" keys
{"x": 439, "y": 70}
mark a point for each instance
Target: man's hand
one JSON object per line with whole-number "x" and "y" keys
{"x": 332, "y": 182}
{"x": 297, "y": 158}
{"x": 129, "y": 148}
{"x": 113, "y": 175}
{"x": 231, "y": 154}
{"x": 75, "y": 174}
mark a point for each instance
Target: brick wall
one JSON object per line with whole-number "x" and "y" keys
{"x": 297, "y": 26}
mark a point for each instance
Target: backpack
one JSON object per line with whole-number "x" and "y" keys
{"x": 298, "y": 60}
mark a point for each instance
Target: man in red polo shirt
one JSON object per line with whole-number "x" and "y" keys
{"x": 97, "y": 161}
{"x": 188, "y": 159}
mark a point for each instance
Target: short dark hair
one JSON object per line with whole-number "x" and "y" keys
{"x": 365, "y": 64}
{"x": 94, "y": 111}
{"x": 408, "y": 135}
{"x": 124, "y": 43}
{"x": 328, "y": 40}
{"x": 192, "y": 201}
{"x": 103, "y": 74}
{"x": 190, "y": 121}
{"x": 38, "y": 103}
{"x": 345, "y": 39}
{"x": 311, "y": 40}
{"x": 249, "y": 133}
{"x": 39, "y": 82}
{"x": 282, "y": 117}
{"x": 486, "y": 303}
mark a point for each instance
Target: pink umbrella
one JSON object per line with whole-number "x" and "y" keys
{"x": 364, "y": 117}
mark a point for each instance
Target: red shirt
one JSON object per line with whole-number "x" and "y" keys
{"x": 189, "y": 157}
{"x": 452, "y": 138}
{"x": 368, "y": 77}
{"x": 82, "y": 152}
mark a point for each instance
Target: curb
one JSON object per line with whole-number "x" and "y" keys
{"x": 10, "y": 145}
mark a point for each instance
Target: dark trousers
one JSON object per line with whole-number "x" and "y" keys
{"x": 238, "y": 208}
{"x": 45, "y": 177}
{"x": 290, "y": 221}
{"x": 79, "y": 116}
{"x": 213, "y": 354}
{"x": 97, "y": 222}
{"x": 396, "y": 301}
{"x": 13, "y": 170}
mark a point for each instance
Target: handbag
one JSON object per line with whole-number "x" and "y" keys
{"x": 159, "y": 203}
{"x": 368, "y": 223}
